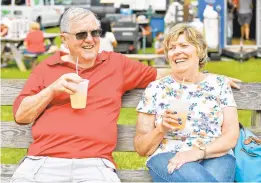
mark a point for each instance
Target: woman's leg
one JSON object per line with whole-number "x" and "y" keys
{"x": 222, "y": 168}
{"x": 189, "y": 172}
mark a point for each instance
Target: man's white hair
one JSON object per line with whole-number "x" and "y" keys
{"x": 74, "y": 14}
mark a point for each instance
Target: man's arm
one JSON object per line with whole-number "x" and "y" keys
{"x": 32, "y": 106}
{"x": 162, "y": 72}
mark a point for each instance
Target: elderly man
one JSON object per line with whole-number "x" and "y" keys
{"x": 76, "y": 145}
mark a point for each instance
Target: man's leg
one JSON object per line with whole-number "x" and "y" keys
{"x": 43, "y": 170}
{"x": 92, "y": 170}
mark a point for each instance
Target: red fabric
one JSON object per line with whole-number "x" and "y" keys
{"x": 235, "y": 2}
{"x": 35, "y": 41}
{"x": 91, "y": 132}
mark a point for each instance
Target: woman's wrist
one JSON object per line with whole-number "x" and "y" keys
{"x": 160, "y": 129}
{"x": 199, "y": 153}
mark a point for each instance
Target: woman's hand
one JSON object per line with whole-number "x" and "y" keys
{"x": 170, "y": 121}
{"x": 184, "y": 157}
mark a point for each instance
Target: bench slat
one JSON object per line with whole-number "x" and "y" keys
{"x": 7, "y": 171}
{"x": 19, "y": 136}
{"x": 248, "y": 97}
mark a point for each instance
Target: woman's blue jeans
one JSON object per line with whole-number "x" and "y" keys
{"x": 221, "y": 169}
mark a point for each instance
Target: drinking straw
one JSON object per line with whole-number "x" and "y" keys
{"x": 77, "y": 66}
{"x": 182, "y": 84}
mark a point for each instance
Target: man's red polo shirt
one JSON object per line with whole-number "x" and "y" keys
{"x": 61, "y": 131}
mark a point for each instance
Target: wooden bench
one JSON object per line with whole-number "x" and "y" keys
{"x": 15, "y": 136}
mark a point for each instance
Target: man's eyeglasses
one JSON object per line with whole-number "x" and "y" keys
{"x": 83, "y": 35}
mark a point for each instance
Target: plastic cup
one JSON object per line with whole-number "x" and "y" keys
{"x": 79, "y": 99}
{"x": 182, "y": 108}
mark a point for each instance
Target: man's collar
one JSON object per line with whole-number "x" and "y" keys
{"x": 56, "y": 58}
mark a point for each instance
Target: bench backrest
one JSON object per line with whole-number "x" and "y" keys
{"x": 15, "y": 136}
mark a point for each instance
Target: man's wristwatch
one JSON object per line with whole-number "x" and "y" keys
{"x": 204, "y": 149}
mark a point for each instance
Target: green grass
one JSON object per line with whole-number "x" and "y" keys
{"x": 249, "y": 71}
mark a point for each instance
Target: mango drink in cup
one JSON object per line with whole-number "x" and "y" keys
{"x": 79, "y": 99}
{"x": 182, "y": 108}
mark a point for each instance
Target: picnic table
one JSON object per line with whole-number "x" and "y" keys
{"x": 145, "y": 57}
{"x": 15, "y": 42}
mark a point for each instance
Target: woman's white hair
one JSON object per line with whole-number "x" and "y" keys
{"x": 74, "y": 14}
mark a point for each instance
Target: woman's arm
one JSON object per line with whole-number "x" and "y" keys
{"x": 162, "y": 72}
{"x": 230, "y": 134}
{"x": 148, "y": 137}
{"x": 217, "y": 148}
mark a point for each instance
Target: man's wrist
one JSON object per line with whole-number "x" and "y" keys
{"x": 49, "y": 92}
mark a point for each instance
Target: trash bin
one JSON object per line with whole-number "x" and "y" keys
{"x": 157, "y": 24}
{"x": 219, "y": 6}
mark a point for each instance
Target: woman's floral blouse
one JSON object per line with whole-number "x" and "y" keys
{"x": 205, "y": 116}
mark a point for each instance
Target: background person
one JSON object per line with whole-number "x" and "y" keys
{"x": 170, "y": 18}
{"x": 5, "y": 50}
{"x": 202, "y": 151}
{"x": 159, "y": 49}
{"x": 230, "y": 17}
{"x": 108, "y": 40}
{"x": 4, "y": 30}
{"x": 34, "y": 41}
{"x": 245, "y": 13}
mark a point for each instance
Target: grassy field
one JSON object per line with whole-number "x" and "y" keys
{"x": 249, "y": 71}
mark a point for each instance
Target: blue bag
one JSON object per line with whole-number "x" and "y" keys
{"x": 248, "y": 157}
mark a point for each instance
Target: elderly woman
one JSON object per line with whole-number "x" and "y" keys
{"x": 202, "y": 150}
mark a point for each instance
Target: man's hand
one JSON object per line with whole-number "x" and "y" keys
{"x": 63, "y": 84}
{"x": 233, "y": 82}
